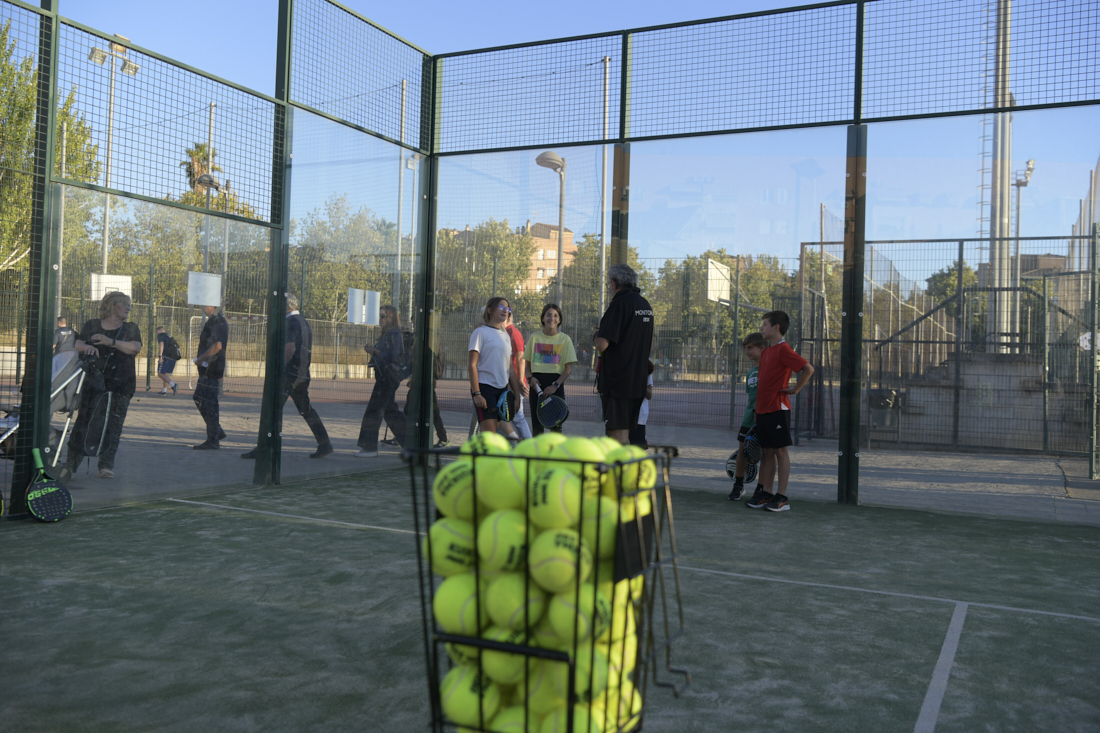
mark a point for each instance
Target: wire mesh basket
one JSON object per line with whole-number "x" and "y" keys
{"x": 543, "y": 591}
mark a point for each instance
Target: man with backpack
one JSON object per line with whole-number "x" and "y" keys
{"x": 168, "y": 353}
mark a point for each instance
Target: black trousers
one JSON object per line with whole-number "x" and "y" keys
{"x": 381, "y": 404}
{"x": 206, "y": 399}
{"x": 80, "y": 440}
{"x": 545, "y": 379}
{"x": 298, "y": 391}
{"x": 437, "y": 419}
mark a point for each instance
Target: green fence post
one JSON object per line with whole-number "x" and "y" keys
{"x": 150, "y": 337}
{"x": 1094, "y": 318}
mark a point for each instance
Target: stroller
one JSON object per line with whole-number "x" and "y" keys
{"x": 66, "y": 381}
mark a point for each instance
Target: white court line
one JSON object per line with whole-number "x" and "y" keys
{"x": 930, "y": 710}
{"x": 294, "y": 516}
{"x": 892, "y": 593}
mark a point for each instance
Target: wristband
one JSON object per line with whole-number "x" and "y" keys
{"x": 475, "y": 394}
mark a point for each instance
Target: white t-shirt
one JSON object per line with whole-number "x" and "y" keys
{"x": 494, "y": 355}
{"x": 643, "y": 414}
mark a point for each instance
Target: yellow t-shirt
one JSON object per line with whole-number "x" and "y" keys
{"x": 549, "y": 354}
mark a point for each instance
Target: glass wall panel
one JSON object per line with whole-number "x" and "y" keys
{"x": 974, "y": 360}
{"x": 354, "y": 211}
{"x": 155, "y": 255}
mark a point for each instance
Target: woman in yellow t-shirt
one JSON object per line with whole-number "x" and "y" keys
{"x": 550, "y": 358}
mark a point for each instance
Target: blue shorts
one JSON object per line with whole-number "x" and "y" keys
{"x": 166, "y": 366}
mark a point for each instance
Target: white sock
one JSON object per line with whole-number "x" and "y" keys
{"x": 172, "y": 384}
{"x": 512, "y": 435}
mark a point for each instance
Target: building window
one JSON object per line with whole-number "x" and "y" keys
{"x": 542, "y": 254}
{"x": 551, "y": 272}
{"x": 541, "y": 273}
{"x": 765, "y": 195}
{"x": 551, "y": 254}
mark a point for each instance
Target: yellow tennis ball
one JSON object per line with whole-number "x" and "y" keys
{"x": 634, "y": 476}
{"x": 505, "y": 668}
{"x": 619, "y": 708}
{"x": 580, "y": 455}
{"x": 577, "y": 616}
{"x": 555, "y": 499}
{"x": 544, "y": 636}
{"x": 556, "y": 557}
{"x": 590, "y": 673}
{"x": 607, "y": 443}
{"x": 463, "y": 653}
{"x": 533, "y": 449}
{"x": 557, "y": 721}
{"x": 537, "y": 691}
{"x": 484, "y": 444}
{"x": 453, "y": 490}
{"x": 514, "y": 601}
{"x": 511, "y": 720}
{"x": 455, "y": 606}
{"x": 501, "y": 481}
{"x": 600, "y": 525}
{"x": 502, "y": 540}
{"x": 451, "y": 545}
{"x": 467, "y": 697}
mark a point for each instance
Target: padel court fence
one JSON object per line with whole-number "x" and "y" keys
{"x": 128, "y": 164}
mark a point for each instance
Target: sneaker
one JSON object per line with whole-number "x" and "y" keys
{"x": 250, "y": 454}
{"x": 365, "y": 453}
{"x": 322, "y": 451}
{"x": 737, "y": 492}
{"x": 207, "y": 445}
{"x": 174, "y": 387}
{"x": 441, "y": 444}
{"x": 759, "y": 499}
{"x": 221, "y": 434}
{"x": 778, "y": 503}
{"x": 163, "y": 392}
{"x": 392, "y": 442}
{"x": 106, "y": 473}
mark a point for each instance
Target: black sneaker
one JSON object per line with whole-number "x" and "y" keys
{"x": 250, "y": 454}
{"x": 322, "y": 451}
{"x": 207, "y": 445}
{"x": 221, "y": 434}
{"x": 174, "y": 388}
{"x": 759, "y": 499}
{"x": 778, "y": 503}
{"x": 392, "y": 442}
{"x": 737, "y": 492}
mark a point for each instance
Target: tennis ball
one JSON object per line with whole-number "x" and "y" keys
{"x": 502, "y": 540}
{"x": 556, "y": 556}
{"x": 501, "y": 482}
{"x": 536, "y": 449}
{"x": 468, "y": 697}
{"x": 453, "y": 490}
{"x": 484, "y": 444}
{"x": 641, "y": 475}
{"x": 503, "y": 667}
{"x": 580, "y": 454}
{"x": 607, "y": 443}
{"x": 579, "y": 616}
{"x": 538, "y": 692}
{"x": 591, "y": 670}
{"x": 600, "y": 520}
{"x": 452, "y": 546}
{"x": 463, "y": 653}
{"x": 557, "y": 721}
{"x": 455, "y": 606}
{"x": 555, "y": 499}
{"x": 619, "y": 708}
{"x": 513, "y": 600}
{"x": 544, "y": 636}
{"x": 511, "y": 720}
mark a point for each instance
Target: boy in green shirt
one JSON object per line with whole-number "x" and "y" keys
{"x": 754, "y": 345}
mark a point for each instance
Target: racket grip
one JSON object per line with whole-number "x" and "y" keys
{"x": 37, "y": 459}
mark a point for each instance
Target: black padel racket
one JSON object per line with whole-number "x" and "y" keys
{"x": 47, "y": 498}
{"x": 751, "y": 468}
{"x": 552, "y": 411}
{"x": 753, "y": 451}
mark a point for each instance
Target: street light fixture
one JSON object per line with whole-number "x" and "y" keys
{"x": 1020, "y": 183}
{"x": 555, "y": 162}
{"x": 101, "y": 56}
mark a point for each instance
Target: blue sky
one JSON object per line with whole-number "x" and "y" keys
{"x": 745, "y": 192}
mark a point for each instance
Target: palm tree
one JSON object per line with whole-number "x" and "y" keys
{"x": 195, "y": 165}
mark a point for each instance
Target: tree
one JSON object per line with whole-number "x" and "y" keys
{"x": 194, "y": 166}
{"x": 944, "y": 284}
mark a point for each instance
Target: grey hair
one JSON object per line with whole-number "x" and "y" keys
{"x": 623, "y": 276}
{"x": 292, "y": 301}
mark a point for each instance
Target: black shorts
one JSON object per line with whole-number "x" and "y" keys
{"x": 492, "y": 396}
{"x": 620, "y": 414}
{"x": 773, "y": 429}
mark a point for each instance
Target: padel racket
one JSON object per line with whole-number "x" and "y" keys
{"x": 751, "y": 468}
{"x": 95, "y": 435}
{"x": 753, "y": 451}
{"x": 552, "y": 411}
{"x": 504, "y": 406}
{"x": 47, "y": 498}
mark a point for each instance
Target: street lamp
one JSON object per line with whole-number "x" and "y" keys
{"x": 555, "y": 162}
{"x": 101, "y": 56}
{"x": 1020, "y": 183}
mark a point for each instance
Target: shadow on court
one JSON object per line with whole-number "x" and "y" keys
{"x": 294, "y": 609}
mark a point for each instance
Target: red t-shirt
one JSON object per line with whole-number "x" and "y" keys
{"x": 776, "y": 364}
{"x": 517, "y": 352}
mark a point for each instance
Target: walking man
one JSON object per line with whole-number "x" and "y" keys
{"x": 623, "y": 339}
{"x": 299, "y": 350}
{"x": 211, "y": 364}
{"x": 168, "y": 353}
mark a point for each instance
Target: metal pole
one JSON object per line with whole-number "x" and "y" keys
{"x": 1095, "y": 317}
{"x": 561, "y": 231}
{"x": 400, "y": 201}
{"x": 225, "y": 246}
{"x": 107, "y": 178}
{"x": 1046, "y": 364}
{"x": 958, "y": 347}
{"x": 61, "y": 229}
{"x": 209, "y": 171}
{"x": 412, "y": 235}
{"x": 736, "y": 357}
{"x": 149, "y": 360}
{"x": 851, "y": 338}
{"x": 603, "y": 187}
{"x": 1016, "y": 279}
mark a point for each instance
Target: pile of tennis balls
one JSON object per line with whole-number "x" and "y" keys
{"x": 540, "y": 524}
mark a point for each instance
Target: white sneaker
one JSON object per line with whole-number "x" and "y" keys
{"x": 365, "y": 453}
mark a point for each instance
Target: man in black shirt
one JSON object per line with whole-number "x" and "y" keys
{"x": 299, "y": 350}
{"x": 624, "y": 339}
{"x": 211, "y": 364}
{"x": 64, "y": 338}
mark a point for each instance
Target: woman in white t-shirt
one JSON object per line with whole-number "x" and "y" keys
{"x": 491, "y": 370}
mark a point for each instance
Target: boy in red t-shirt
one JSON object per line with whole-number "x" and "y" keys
{"x": 773, "y": 410}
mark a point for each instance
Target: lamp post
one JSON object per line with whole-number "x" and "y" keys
{"x": 555, "y": 162}
{"x": 1020, "y": 183}
{"x": 100, "y": 56}
{"x": 207, "y": 181}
